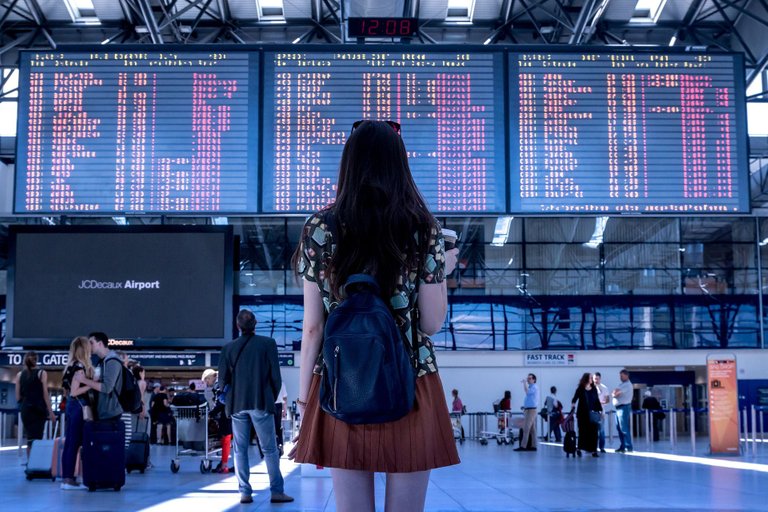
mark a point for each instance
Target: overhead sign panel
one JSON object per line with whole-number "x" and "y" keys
{"x": 450, "y": 106}
{"x": 610, "y": 133}
{"x": 159, "y": 131}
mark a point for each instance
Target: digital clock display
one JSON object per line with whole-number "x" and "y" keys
{"x": 382, "y": 27}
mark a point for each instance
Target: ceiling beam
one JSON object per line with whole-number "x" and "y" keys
{"x": 149, "y": 19}
{"x": 19, "y": 41}
{"x": 581, "y": 22}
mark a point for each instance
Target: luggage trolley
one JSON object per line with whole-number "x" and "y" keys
{"x": 458, "y": 428}
{"x": 504, "y": 434}
{"x": 191, "y": 421}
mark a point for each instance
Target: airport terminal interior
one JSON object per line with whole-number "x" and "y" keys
{"x": 602, "y": 165}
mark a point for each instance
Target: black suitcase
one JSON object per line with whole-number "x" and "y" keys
{"x": 569, "y": 444}
{"x": 103, "y": 455}
{"x": 137, "y": 456}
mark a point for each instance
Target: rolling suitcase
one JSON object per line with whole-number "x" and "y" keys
{"x": 137, "y": 456}
{"x": 569, "y": 441}
{"x": 103, "y": 455}
{"x": 58, "y": 452}
{"x": 41, "y": 454}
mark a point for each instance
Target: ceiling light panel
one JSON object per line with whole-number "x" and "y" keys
{"x": 648, "y": 11}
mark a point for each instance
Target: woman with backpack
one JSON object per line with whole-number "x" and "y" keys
{"x": 380, "y": 226}
{"x": 32, "y": 394}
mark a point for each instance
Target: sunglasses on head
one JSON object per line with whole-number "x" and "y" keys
{"x": 395, "y": 126}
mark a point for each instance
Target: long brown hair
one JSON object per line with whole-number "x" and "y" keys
{"x": 378, "y": 210}
{"x": 80, "y": 352}
{"x": 30, "y": 360}
{"x": 585, "y": 380}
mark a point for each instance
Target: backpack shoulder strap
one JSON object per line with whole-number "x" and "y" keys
{"x": 119, "y": 381}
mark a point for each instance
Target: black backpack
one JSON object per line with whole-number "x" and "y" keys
{"x": 128, "y": 391}
{"x": 368, "y": 376}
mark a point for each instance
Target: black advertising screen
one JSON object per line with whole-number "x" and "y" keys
{"x": 159, "y": 286}
{"x": 607, "y": 133}
{"x": 137, "y": 131}
{"x": 450, "y": 106}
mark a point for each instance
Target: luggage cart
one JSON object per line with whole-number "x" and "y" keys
{"x": 189, "y": 420}
{"x": 504, "y": 434}
{"x": 478, "y": 422}
{"x": 458, "y": 429}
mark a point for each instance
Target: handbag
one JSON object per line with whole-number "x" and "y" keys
{"x": 595, "y": 417}
{"x": 87, "y": 413}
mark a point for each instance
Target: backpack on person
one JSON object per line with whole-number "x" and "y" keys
{"x": 368, "y": 375}
{"x": 128, "y": 391}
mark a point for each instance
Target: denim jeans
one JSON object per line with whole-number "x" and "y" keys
{"x": 601, "y": 434}
{"x": 554, "y": 426}
{"x": 74, "y": 437}
{"x": 264, "y": 423}
{"x": 622, "y": 422}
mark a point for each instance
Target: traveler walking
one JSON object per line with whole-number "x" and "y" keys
{"x": 212, "y": 394}
{"x": 249, "y": 366}
{"x": 379, "y": 225}
{"x": 162, "y": 415}
{"x": 32, "y": 394}
{"x": 554, "y": 414}
{"x": 588, "y": 414}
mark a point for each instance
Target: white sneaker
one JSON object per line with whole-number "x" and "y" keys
{"x": 70, "y": 487}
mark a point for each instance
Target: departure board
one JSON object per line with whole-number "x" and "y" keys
{"x": 136, "y": 131}
{"x": 603, "y": 133}
{"x": 450, "y": 106}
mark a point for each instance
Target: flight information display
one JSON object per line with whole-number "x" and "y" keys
{"x": 602, "y": 133}
{"x": 450, "y": 106}
{"x": 136, "y": 131}
{"x": 247, "y": 130}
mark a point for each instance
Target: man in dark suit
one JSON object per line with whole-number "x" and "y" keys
{"x": 250, "y": 367}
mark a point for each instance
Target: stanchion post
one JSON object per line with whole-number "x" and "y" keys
{"x": 647, "y": 427}
{"x": 19, "y": 432}
{"x": 754, "y": 431}
{"x": 762, "y": 431}
{"x": 692, "y": 427}
{"x": 745, "y": 429}
{"x": 672, "y": 427}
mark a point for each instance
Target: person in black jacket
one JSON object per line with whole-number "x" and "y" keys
{"x": 588, "y": 402}
{"x": 651, "y": 403}
{"x": 250, "y": 369}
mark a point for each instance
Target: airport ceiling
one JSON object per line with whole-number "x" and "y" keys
{"x": 737, "y": 25}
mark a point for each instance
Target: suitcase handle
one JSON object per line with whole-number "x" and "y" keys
{"x": 55, "y": 429}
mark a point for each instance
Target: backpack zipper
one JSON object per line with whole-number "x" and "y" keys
{"x": 336, "y": 376}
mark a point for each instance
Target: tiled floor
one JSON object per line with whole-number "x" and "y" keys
{"x": 489, "y": 478}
